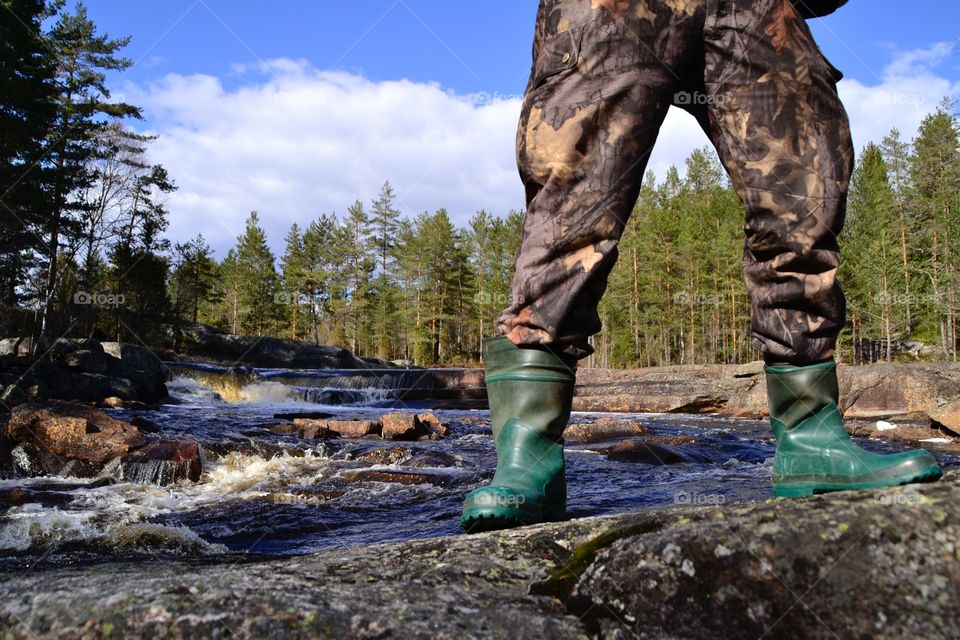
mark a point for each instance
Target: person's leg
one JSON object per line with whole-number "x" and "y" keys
{"x": 782, "y": 132}
{"x": 603, "y": 77}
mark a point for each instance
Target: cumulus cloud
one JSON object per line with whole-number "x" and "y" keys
{"x": 908, "y": 89}
{"x": 292, "y": 142}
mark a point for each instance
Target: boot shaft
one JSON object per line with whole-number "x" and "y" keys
{"x": 531, "y": 385}
{"x": 795, "y": 394}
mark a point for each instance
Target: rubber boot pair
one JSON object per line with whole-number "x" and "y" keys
{"x": 530, "y": 391}
{"x": 814, "y": 452}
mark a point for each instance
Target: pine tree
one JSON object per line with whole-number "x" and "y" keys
{"x": 83, "y": 110}
{"x": 935, "y": 176}
{"x": 358, "y": 263}
{"x": 27, "y": 91}
{"x": 192, "y": 284}
{"x": 871, "y": 268}
{"x": 384, "y": 220}
{"x": 256, "y": 279}
{"x": 896, "y": 154}
{"x": 294, "y": 278}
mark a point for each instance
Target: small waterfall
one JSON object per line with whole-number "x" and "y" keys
{"x": 160, "y": 463}
{"x": 327, "y": 386}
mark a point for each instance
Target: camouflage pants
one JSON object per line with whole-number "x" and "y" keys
{"x": 604, "y": 74}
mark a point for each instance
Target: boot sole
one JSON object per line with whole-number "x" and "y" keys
{"x": 807, "y": 489}
{"x": 481, "y": 519}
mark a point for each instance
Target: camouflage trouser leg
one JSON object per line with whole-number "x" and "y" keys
{"x": 605, "y": 72}
{"x": 604, "y": 75}
{"x": 783, "y": 135}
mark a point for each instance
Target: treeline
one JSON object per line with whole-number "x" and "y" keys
{"x": 901, "y": 247}
{"x": 83, "y": 253}
{"x": 382, "y": 285}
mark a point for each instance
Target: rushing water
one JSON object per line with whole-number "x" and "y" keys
{"x": 273, "y": 494}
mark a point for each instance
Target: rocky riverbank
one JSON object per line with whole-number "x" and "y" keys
{"x": 879, "y": 564}
{"x": 84, "y": 370}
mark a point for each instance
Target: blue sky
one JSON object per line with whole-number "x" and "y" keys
{"x": 298, "y": 107}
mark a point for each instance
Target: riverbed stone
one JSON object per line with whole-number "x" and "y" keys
{"x": 401, "y": 426}
{"x": 433, "y": 423}
{"x": 603, "y": 429}
{"x": 163, "y": 463}
{"x": 72, "y": 430}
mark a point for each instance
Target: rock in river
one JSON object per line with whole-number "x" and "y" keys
{"x": 72, "y": 430}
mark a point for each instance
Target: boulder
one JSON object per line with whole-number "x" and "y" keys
{"x": 402, "y": 426}
{"x": 162, "y": 463}
{"x": 947, "y": 415}
{"x": 72, "y": 430}
{"x": 310, "y": 429}
{"x": 433, "y": 423}
{"x": 636, "y": 450}
{"x": 603, "y": 429}
{"x": 392, "y": 455}
{"x": 354, "y": 428}
{"x": 142, "y": 367}
{"x": 885, "y": 389}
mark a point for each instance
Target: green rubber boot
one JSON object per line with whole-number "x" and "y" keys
{"x": 814, "y": 452}
{"x": 530, "y": 391}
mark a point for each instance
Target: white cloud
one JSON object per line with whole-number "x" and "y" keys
{"x": 909, "y": 89}
{"x": 293, "y": 142}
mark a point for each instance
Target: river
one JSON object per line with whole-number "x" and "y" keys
{"x": 267, "y": 494}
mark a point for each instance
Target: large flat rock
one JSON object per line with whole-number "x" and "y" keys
{"x": 879, "y": 564}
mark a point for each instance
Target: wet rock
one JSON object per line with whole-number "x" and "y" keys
{"x": 145, "y": 425}
{"x": 603, "y": 429}
{"x": 391, "y": 455}
{"x": 430, "y": 459}
{"x": 947, "y": 415}
{"x": 433, "y": 423}
{"x": 399, "y": 476}
{"x": 402, "y": 426}
{"x": 643, "y": 451}
{"x": 353, "y": 428}
{"x": 113, "y": 402}
{"x": 72, "y": 430}
{"x": 285, "y": 428}
{"x": 308, "y": 415}
{"x": 162, "y": 463}
{"x": 749, "y": 369}
{"x": 310, "y": 429}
